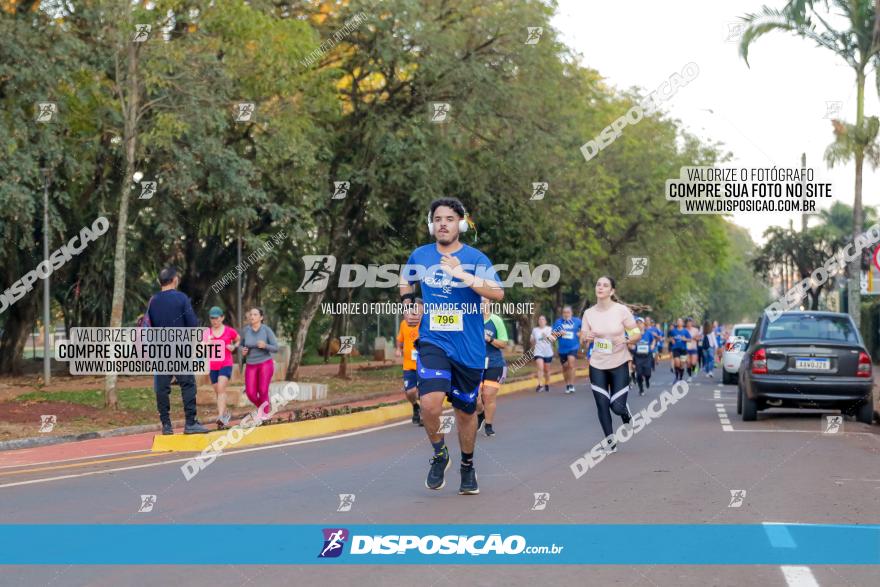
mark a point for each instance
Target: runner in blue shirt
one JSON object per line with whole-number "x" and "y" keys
{"x": 495, "y": 333}
{"x": 568, "y": 344}
{"x": 642, "y": 357}
{"x": 678, "y": 339}
{"x": 451, "y": 345}
{"x": 657, "y": 339}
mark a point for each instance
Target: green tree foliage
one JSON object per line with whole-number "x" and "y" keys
{"x": 358, "y": 113}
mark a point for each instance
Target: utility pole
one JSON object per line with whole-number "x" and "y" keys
{"x": 47, "y": 359}
{"x": 803, "y": 189}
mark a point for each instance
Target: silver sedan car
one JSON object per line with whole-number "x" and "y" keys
{"x": 733, "y": 351}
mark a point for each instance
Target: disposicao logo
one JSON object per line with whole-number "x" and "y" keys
{"x": 334, "y": 540}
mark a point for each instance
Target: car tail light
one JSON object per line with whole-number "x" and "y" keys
{"x": 864, "y": 365}
{"x": 759, "y": 362}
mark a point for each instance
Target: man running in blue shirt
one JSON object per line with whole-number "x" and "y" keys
{"x": 656, "y": 336}
{"x": 451, "y": 345}
{"x": 568, "y": 344}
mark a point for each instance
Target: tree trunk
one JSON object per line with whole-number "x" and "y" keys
{"x": 19, "y": 319}
{"x": 299, "y": 341}
{"x": 854, "y": 282}
{"x": 346, "y": 322}
{"x": 130, "y": 100}
{"x": 525, "y": 327}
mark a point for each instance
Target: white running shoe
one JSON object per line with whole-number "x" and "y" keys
{"x": 610, "y": 446}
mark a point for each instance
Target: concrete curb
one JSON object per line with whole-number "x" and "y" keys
{"x": 35, "y": 441}
{"x": 308, "y": 428}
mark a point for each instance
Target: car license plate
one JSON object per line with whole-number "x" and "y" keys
{"x": 817, "y": 364}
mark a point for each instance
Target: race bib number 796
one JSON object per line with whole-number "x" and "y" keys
{"x": 451, "y": 320}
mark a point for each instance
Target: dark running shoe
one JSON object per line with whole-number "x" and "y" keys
{"x": 194, "y": 428}
{"x": 468, "y": 481}
{"x": 489, "y": 430}
{"x": 480, "y": 419}
{"x": 417, "y": 415}
{"x": 547, "y": 389}
{"x": 437, "y": 474}
{"x": 539, "y": 389}
{"x": 167, "y": 429}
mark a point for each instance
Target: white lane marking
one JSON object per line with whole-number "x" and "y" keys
{"x": 722, "y": 417}
{"x": 839, "y": 434}
{"x": 109, "y": 454}
{"x": 799, "y": 576}
{"x": 222, "y": 454}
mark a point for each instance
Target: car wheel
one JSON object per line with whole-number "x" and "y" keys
{"x": 749, "y": 407}
{"x": 865, "y": 412}
{"x": 739, "y": 400}
{"x": 726, "y": 378}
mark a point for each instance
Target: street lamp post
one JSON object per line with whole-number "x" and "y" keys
{"x": 47, "y": 360}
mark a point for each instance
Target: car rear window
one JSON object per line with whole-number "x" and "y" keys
{"x": 746, "y": 333}
{"x": 837, "y": 328}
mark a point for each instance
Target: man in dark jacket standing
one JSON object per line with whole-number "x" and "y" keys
{"x": 172, "y": 309}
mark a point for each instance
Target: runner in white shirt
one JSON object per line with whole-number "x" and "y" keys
{"x": 543, "y": 352}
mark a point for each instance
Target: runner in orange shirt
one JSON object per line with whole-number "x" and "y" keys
{"x": 406, "y": 338}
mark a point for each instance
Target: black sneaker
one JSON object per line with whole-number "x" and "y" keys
{"x": 167, "y": 430}
{"x": 468, "y": 481}
{"x": 480, "y": 419}
{"x": 195, "y": 428}
{"x": 437, "y": 474}
{"x": 539, "y": 389}
{"x": 547, "y": 388}
{"x": 417, "y": 416}
{"x": 489, "y": 430}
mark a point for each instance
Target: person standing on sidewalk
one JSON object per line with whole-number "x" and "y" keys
{"x": 258, "y": 346}
{"x": 173, "y": 309}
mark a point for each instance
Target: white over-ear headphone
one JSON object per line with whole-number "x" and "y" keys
{"x": 462, "y": 224}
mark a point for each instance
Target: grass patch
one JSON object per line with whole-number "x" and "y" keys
{"x": 140, "y": 399}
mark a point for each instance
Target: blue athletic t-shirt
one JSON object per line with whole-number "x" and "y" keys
{"x": 656, "y": 337}
{"x": 457, "y": 326}
{"x": 680, "y": 336}
{"x": 569, "y": 341}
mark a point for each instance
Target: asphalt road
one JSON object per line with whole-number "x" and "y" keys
{"x": 680, "y": 469}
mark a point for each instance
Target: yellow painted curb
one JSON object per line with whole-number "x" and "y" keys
{"x": 308, "y": 428}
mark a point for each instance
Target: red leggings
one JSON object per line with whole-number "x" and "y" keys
{"x": 256, "y": 383}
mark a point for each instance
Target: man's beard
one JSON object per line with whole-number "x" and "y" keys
{"x": 446, "y": 239}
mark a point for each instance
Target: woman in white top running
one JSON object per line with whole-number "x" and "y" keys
{"x": 543, "y": 352}
{"x": 606, "y": 325}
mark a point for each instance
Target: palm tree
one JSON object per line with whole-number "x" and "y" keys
{"x": 837, "y": 221}
{"x": 856, "y": 44}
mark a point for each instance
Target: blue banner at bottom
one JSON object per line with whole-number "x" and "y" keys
{"x": 561, "y": 544}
